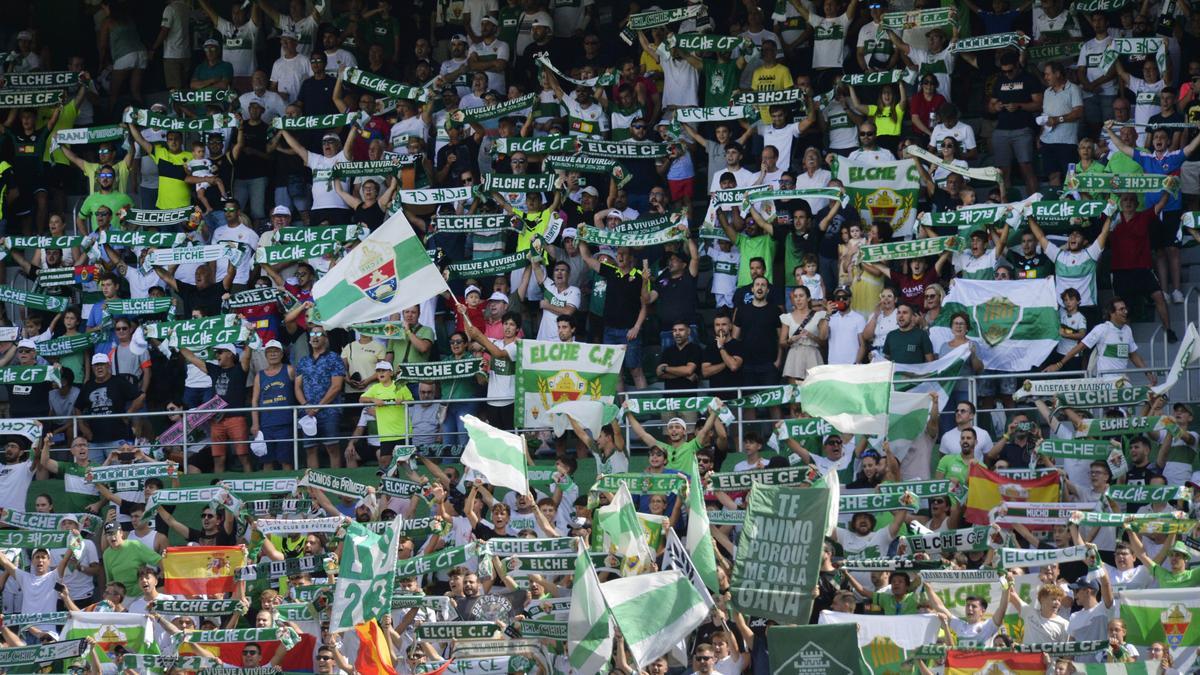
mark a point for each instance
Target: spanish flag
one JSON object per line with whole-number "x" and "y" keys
{"x": 374, "y": 651}
{"x": 987, "y": 489}
{"x": 1010, "y": 663}
{"x": 200, "y": 570}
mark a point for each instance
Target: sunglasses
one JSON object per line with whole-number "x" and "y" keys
{"x": 316, "y": 334}
{"x": 866, "y": 133}
{"x": 106, "y": 174}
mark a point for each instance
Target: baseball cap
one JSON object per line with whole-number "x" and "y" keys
{"x": 843, "y": 289}
{"x": 570, "y": 233}
{"x": 1181, "y": 548}
{"x": 472, "y": 289}
{"x": 498, "y": 297}
{"x": 111, "y": 527}
{"x": 331, "y": 137}
{"x": 281, "y": 210}
{"x": 590, "y": 190}
{"x": 210, "y": 42}
{"x": 677, "y": 420}
{"x": 489, "y": 19}
{"x": 608, "y": 251}
{"x": 69, "y": 516}
{"x": 383, "y": 365}
{"x": 831, "y": 437}
{"x": 289, "y": 34}
{"x": 613, "y": 213}
{"x": 226, "y": 347}
{"x": 458, "y": 37}
{"x": 25, "y": 35}
{"x": 158, "y": 107}
{"x": 1083, "y": 582}
{"x": 273, "y": 344}
{"x": 540, "y": 23}
{"x": 27, "y": 344}
{"x": 100, "y": 358}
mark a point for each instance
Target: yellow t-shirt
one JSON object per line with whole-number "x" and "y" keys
{"x": 392, "y": 419}
{"x": 774, "y": 78}
{"x": 173, "y": 192}
{"x": 122, "y": 171}
{"x": 885, "y": 125}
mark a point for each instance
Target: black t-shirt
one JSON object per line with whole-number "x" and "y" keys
{"x": 676, "y": 299}
{"x": 743, "y": 296}
{"x": 207, "y": 300}
{"x": 1019, "y": 89}
{"x": 712, "y": 355}
{"x": 29, "y": 400}
{"x": 465, "y": 153}
{"x": 1015, "y": 455}
{"x": 760, "y": 332}
{"x": 249, "y": 164}
{"x": 371, "y": 216}
{"x": 229, "y": 384}
{"x": 221, "y": 538}
{"x": 623, "y": 299}
{"x": 317, "y": 95}
{"x": 1036, "y": 266}
{"x": 674, "y": 356}
{"x": 99, "y": 400}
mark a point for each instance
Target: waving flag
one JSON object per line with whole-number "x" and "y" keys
{"x": 497, "y": 454}
{"x": 623, "y": 533}
{"x": 854, "y": 399}
{"x": 387, "y": 272}
{"x": 200, "y": 570}
{"x": 1166, "y": 615}
{"x": 1014, "y": 324}
{"x": 654, "y": 612}
{"x": 949, "y": 366}
{"x": 971, "y": 663}
{"x": 589, "y": 624}
{"x": 986, "y": 490}
{"x": 132, "y": 632}
{"x": 884, "y": 191}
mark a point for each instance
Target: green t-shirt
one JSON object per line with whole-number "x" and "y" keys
{"x": 889, "y": 605}
{"x": 907, "y": 346}
{"x": 720, "y": 79}
{"x": 392, "y": 420}
{"x": 115, "y": 201}
{"x": 510, "y": 25}
{"x": 761, "y": 246}
{"x": 66, "y": 120}
{"x": 680, "y": 458}
{"x": 599, "y": 291}
{"x": 403, "y": 351}
{"x": 222, "y": 70}
{"x": 953, "y": 467}
{"x": 122, "y": 563}
{"x": 382, "y": 32}
{"x": 1168, "y": 579}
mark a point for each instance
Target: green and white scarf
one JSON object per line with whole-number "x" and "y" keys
{"x": 779, "y": 97}
{"x": 489, "y": 267}
{"x": 768, "y": 194}
{"x": 1063, "y": 212}
{"x": 741, "y": 481}
{"x": 1057, "y": 51}
{"x": 25, "y": 539}
{"x": 130, "y": 472}
{"x": 156, "y": 662}
{"x": 1147, "y": 523}
{"x": 153, "y": 120}
{"x": 55, "y": 277}
{"x": 538, "y": 182}
{"x": 769, "y": 398}
{"x": 435, "y": 195}
{"x": 297, "y": 526}
{"x": 35, "y": 618}
{"x": 602, "y": 237}
{"x": 1089, "y": 6}
{"x": 88, "y": 135}
{"x": 278, "y": 569}
{"x": 285, "y": 253}
{"x": 703, "y": 42}
{"x": 1140, "y": 183}
{"x": 48, "y": 522}
{"x": 30, "y": 429}
{"x": 70, "y": 344}
{"x": 165, "y": 257}
{"x": 1073, "y": 449}
{"x": 652, "y": 223}
{"x": 1128, "y": 426}
{"x": 29, "y": 375}
{"x": 175, "y": 497}
{"x": 718, "y": 114}
{"x": 623, "y": 149}
{"x": 642, "y": 483}
{"x": 40, "y": 80}
{"x": 967, "y": 539}
{"x": 156, "y": 218}
{"x": 141, "y": 239}
{"x": 437, "y": 371}
{"x": 200, "y": 607}
{"x": 203, "y": 96}
{"x": 905, "y": 250}
{"x": 38, "y": 301}
{"x": 384, "y": 86}
{"x": 372, "y": 168}
{"x": 326, "y": 233}
{"x": 65, "y": 242}
{"x": 586, "y": 164}
{"x": 252, "y": 297}
{"x": 606, "y": 79}
{"x": 927, "y": 18}
{"x": 538, "y": 145}
{"x": 988, "y": 174}
{"x": 1054, "y": 649}
{"x": 887, "y": 564}
{"x": 29, "y": 99}
{"x": 510, "y": 108}
{"x": 1022, "y": 557}
{"x": 875, "y": 502}
{"x": 220, "y": 636}
{"x": 343, "y": 486}
{"x": 330, "y": 121}
{"x": 445, "y": 559}
{"x": 137, "y": 306}
{"x": 878, "y": 79}
{"x": 1129, "y": 46}
{"x": 662, "y": 17}
{"x": 486, "y": 222}
{"x": 397, "y": 487}
{"x": 1148, "y": 494}
{"x": 985, "y": 43}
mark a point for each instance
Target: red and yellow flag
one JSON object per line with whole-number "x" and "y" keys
{"x": 200, "y": 570}
{"x": 1010, "y": 663}
{"x": 374, "y": 651}
{"x": 987, "y": 489}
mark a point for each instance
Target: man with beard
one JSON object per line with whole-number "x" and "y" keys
{"x": 678, "y": 450}
{"x": 862, "y": 540}
{"x": 975, "y": 630}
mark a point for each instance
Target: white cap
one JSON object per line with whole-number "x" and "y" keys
{"x": 540, "y": 23}
{"x": 679, "y": 421}
{"x": 570, "y": 233}
{"x": 613, "y": 213}
{"x": 590, "y": 190}
{"x": 608, "y": 251}
{"x": 226, "y": 347}
{"x": 25, "y": 35}
{"x": 100, "y": 358}
{"x": 471, "y": 289}
{"x": 490, "y": 19}
{"x": 210, "y": 42}
{"x": 289, "y": 34}
{"x": 27, "y": 344}
{"x": 273, "y": 344}
{"x": 383, "y": 365}
{"x": 458, "y": 37}
{"x": 498, "y": 297}
{"x": 281, "y": 210}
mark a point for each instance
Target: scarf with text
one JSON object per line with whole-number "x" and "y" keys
{"x": 203, "y": 96}
{"x": 927, "y": 18}
{"x": 490, "y": 266}
{"x": 156, "y": 218}
{"x": 1121, "y": 182}
{"x": 286, "y": 253}
{"x": 985, "y": 43}
{"x": 38, "y": 301}
{"x": 517, "y": 106}
{"x": 29, "y": 99}
{"x": 704, "y": 42}
{"x": 29, "y": 375}
{"x": 164, "y": 122}
{"x": 485, "y": 222}
{"x": 988, "y": 174}
{"x": 1135, "y": 46}
{"x": 587, "y": 164}
{"x": 715, "y": 114}
{"x": 303, "y": 122}
{"x": 384, "y": 86}
{"x": 662, "y": 17}
{"x": 606, "y": 79}
{"x": 603, "y": 237}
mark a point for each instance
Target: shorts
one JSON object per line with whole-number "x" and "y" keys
{"x": 682, "y": 189}
{"x": 230, "y": 430}
{"x": 327, "y": 428}
{"x": 633, "y": 348}
{"x": 1009, "y": 144}
{"x": 368, "y": 453}
{"x": 1135, "y": 283}
{"x": 1189, "y": 178}
{"x": 760, "y": 375}
{"x": 1165, "y": 232}
{"x": 1098, "y": 107}
{"x": 996, "y": 386}
{"x": 132, "y": 61}
{"x": 1057, "y": 156}
{"x": 280, "y": 448}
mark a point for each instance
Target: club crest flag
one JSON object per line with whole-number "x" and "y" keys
{"x": 885, "y": 641}
{"x": 1014, "y": 324}
{"x": 987, "y": 489}
{"x": 132, "y": 632}
{"x": 200, "y": 570}
{"x": 882, "y": 191}
{"x": 550, "y": 373}
{"x": 1008, "y": 663}
{"x": 387, "y": 272}
{"x": 1166, "y": 615}
{"x": 830, "y": 650}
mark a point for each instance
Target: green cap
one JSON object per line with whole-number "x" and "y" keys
{"x": 1182, "y": 549}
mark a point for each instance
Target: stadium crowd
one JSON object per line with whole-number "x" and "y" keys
{"x": 192, "y": 169}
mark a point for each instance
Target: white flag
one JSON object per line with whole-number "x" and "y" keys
{"x": 497, "y": 454}
{"x": 854, "y": 399}
{"x": 654, "y": 612}
{"x": 589, "y": 624}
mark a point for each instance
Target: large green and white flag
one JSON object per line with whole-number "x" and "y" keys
{"x": 386, "y": 273}
{"x": 132, "y": 632}
{"x": 830, "y": 650}
{"x": 550, "y": 373}
{"x": 1014, "y": 324}
{"x": 854, "y": 399}
{"x": 779, "y": 552}
{"x": 949, "y": 366}
{"x": 654, "y": 612}
{"x": 882, "y": 191}
{"x": 1147, "y": 668}
{"x": 908, "y": 415}
{"x": 886, "y": 640}
{"x": 366, "y": 576}
{"x": 1186, "y": 355}
{"x": 1167, "y": 615}
{"x": 589, "y": 624}
{"x": 497, "y": 454}
{"x": 700, "y": 546}
{"x": 623, "y": 534}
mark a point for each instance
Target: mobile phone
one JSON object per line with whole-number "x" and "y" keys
{"x": 59, "y": 587}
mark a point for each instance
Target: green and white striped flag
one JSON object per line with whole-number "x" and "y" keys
{"x": 623, "y": 533}
{"x": 908, "y": 415}
{"x": 654, "y": 612}
{"x": 366, "y": 576}
{"x": 1149, "y": 668}
{"x": 1014, "y": 324}
{"x": 589, "y": 624}
{"x": 854, "y": 399}
{"x": 388, "y": 272}
{"x": 949, "y": 366}
{"x": 1167, "y": 615}
{"x": 699, "y": 535}
{"x": 497, "y": 454}
{"x": 1186, "y": 355}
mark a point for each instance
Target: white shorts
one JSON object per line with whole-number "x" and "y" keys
{"x": 1189, "y": 178}
{"x": 132, "y": 61}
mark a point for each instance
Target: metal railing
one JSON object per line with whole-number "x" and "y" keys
{"x": 299, "y": 440}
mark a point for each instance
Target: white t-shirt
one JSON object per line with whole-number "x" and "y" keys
{"x": 843, "y": 132}
{"x": 680, "y": 80}
{"x": 497, "y": 51}
{"x": 819, "y": 179}
{"x": 239, "y": 43}
{"x": 940, "y": 65}
{"x": 14, "y": 485}
{"x": 451, "y": 65}
{"x": 502, "y": 389}
{"x": 1145, "y": 99}
{"x": 323, "y": 194}
{"x": 1134, "y": 578}
{"x": 37, "y": 592}
{"x": 1089, "y": 624}
{"x": 1091, "y": 55}
{"x": 617, "y": 462}
{"x": 951, "y": 443}
{"x": 973, "y": 634}
{"x": 289, "y": 74}
{"x": 781, "y": 139}
{"x": 81, "y": 585}
{"x": 971, "y": 266}
{"x": 249, "y": 239}
{"x": 743, "y": 176}
{"x": 1044, "y": 23}
{"x": 1112, "y": 346}
{"x": 829, "y": 40}
{"x": 872, "y": 156}
{"x": 405, "y": 129}
{"x": 844, "y": 332}
{"x": 548, "y": 328}
{"x": 272, "y": 103}
{"x": 1039, "y": 629}
{"x": 589, "y": 122}
{"x": 1075, "y": 269}
{"x": 477, "y": 9}
{"x": 961, "y": 132}
{"x": 340, "y": 58}
{"x": 1076, "y": 322}
{"x": 175, "y": 19}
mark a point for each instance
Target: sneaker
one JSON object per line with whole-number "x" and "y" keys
{"x": 1171, "y": 336}
{"x": 1177, "y": 297}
